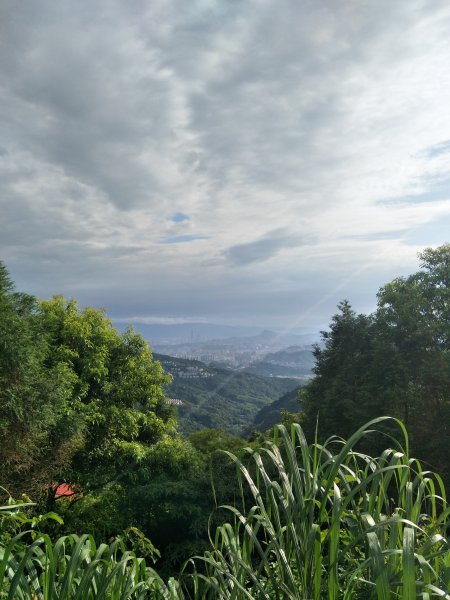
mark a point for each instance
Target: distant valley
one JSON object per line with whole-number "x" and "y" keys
{"x": 217, "y": 397}
{"x": 229, "y": 377}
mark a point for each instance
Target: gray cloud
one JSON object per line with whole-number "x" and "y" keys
{"x": 281, "y": 131}
{"x": 262, "y": 249}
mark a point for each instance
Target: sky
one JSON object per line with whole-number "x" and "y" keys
{"x": 244, "y": 162}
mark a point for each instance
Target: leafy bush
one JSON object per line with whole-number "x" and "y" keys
{"x": 325, "y": 521}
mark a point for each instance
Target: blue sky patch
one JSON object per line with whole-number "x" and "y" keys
{"x": 438, "y": 189}
{"x": 179, "y": 217}
{"x": 433, "y": 233}
{"x": 182, "y": 239}
{"x": 438, "y": 149}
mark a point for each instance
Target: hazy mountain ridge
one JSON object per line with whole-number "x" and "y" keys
{"x": 294, "y": 361}
{"x": 265, "y": 353}
{"x": 188, "y": 332}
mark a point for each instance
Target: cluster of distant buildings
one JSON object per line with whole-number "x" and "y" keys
{"x": 175, "y": 401}
{"x": 193, "y": 373}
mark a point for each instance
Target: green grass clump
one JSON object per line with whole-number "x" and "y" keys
{"x": 75, "y": 568}
{"x": 327, "y": 521}
{"x": 315, "y": 522}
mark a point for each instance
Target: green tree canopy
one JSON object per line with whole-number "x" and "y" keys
{"x": 117, "y": 391}
{"x": 395, "y": 361}
{"x": 414, "y": 318}
{"x": 78, "y": 401}
{"x": 34, "y": 396}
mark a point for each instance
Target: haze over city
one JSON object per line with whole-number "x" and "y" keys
{"x": 250, "y": 162}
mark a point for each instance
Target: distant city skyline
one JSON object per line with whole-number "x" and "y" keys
{"x": 248, "y": 163}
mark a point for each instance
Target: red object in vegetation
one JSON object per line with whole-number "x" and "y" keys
{"x": 63, "y": 490}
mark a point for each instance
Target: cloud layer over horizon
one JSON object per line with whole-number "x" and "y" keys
{"x": 250, "y": 162}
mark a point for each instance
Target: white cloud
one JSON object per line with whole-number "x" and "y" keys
{"x": 327, "y": 122}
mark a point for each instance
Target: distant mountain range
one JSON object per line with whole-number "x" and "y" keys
{"x": 192, "y": 333}
{"x": 294, "y": 361}
{"x": 179, "y": 333}
{"x": 266, "y": 352}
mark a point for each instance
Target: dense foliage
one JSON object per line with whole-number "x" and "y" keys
{"x": 395, "y": 361}
{"x": 79, "y": 402}
{"x": 82, "y": 404}
{"x": 35, "y": 397}
{"x": 315, "y": 521}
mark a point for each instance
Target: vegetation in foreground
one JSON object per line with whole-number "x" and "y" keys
{"x": 314, "y": 521}
{"x": 395, "y": 361}
{"x": 84, "y": 405}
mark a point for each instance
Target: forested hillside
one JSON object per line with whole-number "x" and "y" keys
{"x": 215, "y": 397}
{"x": 270, "y": 415}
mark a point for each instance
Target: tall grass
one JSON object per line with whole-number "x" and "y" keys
{"x": 315, "y": 522}
{"x": 76, "y": 568}
{"x": 327, "y": 521}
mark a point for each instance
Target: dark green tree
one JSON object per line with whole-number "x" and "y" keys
{"x": 395, "y": 361}
{"x": 414, "y": 315}
{"x": 339, "y": 393}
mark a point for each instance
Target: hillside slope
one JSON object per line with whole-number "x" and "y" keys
{"x": 208, "y": 396}
{"x": 270, "y": 415}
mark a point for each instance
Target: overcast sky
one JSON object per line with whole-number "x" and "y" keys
{"x": 232, "y": 161}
